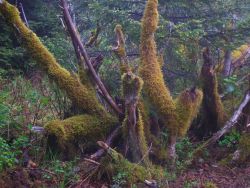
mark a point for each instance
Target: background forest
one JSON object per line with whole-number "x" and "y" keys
{"x": 203, "y": 55}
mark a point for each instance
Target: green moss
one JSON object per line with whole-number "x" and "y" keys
{"x": 214, "y": 115}
{"x": 150, "y": 70}
{"x": 187, "y": 107}
{"x": 77, "y": 92}
{"x": 144, "y": 111}
{"x": 116, "y": 163}
{"x": 210, "y": 184}
{"x": 80, "y": 128}
{"x": 120, "y": 50}
{"x": 244, "y": 148}
{"x": 132, "y": 86}
{"x": 94, "y": 35}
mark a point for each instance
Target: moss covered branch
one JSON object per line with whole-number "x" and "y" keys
{"x": 136, "y": 173}
{"x": 79, "y": 94}
{"x": 213, "y": 116}
{"x": 150, "y": 71}
{"x": 80, "y": 129}
{"x": 178, "y": 114}
{"x": 133, "y": 127}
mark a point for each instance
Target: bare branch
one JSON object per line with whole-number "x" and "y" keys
{"x": 75, "y": 37}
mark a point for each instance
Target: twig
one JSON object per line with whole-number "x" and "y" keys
{"x": 23, "y": 14}
{"x": 91, "y": 161}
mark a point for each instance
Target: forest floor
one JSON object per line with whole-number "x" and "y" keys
{"x": 208, "y": 172}
{"x": 198, "y": 177}
{"x": 221, "y": 176}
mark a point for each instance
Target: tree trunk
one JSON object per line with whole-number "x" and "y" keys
{"x": 133, "y": 125}
{"x": 230, "y": 123}
{"x": 212, "y": 113}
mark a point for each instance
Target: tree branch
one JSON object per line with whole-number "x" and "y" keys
{"x": 75, "y": 37}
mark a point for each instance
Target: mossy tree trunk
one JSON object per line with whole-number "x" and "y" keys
{"x": 170, "y": 111}
{"x": 212, "y": 114}
{"x": 133, "y": 125}
{"x": 176, "y": 115}
{"x": 78, "y": 88}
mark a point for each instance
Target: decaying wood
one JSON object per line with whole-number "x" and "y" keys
{"x": 212, "y": 114}
{"x": 75, "y": 37}
{"x": 230, "y": 123}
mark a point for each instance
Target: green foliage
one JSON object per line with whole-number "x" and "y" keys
{"x": 184, "y": 150}
{"x": 7, "y": 157}
{"x": 109, "y": 72}
{"x": 119, "y": 179}
{"x": 231, "y": 85}
{"x": 9, "y": 152}
{"x": 190, "y": 184}
{"x": 230, "y": 139}
{"x": 66, "y": 172}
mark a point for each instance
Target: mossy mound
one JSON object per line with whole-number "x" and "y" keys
{"x": 115, "y": 163}
{"x": 81, "y": 128}
{"x": 244, "y": 147}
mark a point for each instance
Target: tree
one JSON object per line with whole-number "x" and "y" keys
{"x": 95, "y": 121}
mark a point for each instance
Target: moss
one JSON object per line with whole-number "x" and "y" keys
{"x": 86, "y": 80}
{"x": 121, "y": 41}
{"x": 77, "y": 92}
{"x": 150, "y": 70}
{"x": 131, "y": 85}
{"x": 210, "y": 184}
{"x": 142, "y": 139}
{"x": 237, "y": 53}
{"x": 94, "y": 35}
{"x": 242, "y": 155}
{"x": 187, "y": 107}
{"x": 133, "y": 131}
{"x": 227, "y": 161}
{"x": 213, "y": 116}
{"x": 80, "y": 128}
{"x": 120, "y": 50}
{"x": 244, "y": 148}
{"x": 136, "y": 173}
{"x": 144, "y": 111}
